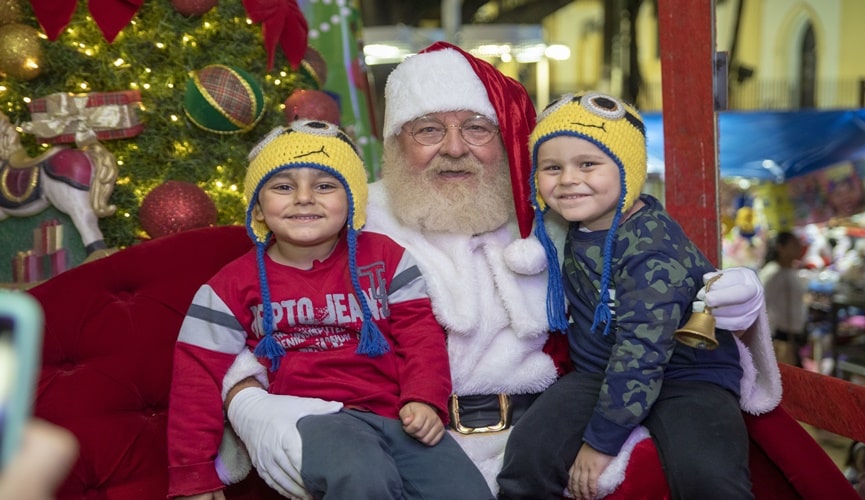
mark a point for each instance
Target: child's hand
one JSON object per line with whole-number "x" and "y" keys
{"x": 420, "y": 421}
{"x": 584, "y": 473}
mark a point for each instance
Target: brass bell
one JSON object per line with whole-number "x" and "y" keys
{"x": 699, "y": 331}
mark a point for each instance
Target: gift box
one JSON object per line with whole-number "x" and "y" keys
{"x": 48, "y": 237}
{"x": 65, "y": 117}
{"x": 54, "y": 263}
{"x": 25, "y": 267}
{"x": 48, "y": 257}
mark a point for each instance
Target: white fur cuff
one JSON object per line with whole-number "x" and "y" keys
{"x": 761, "y": 388}
{"x": 245, "y": 365}
{"x": 232, "y": 462}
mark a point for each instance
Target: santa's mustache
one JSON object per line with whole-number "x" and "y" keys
{"x": 452, "y": 165}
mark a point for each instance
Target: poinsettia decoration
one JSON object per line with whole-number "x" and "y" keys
{"x": 281, "y": 21}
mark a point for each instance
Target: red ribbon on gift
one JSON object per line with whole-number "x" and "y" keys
{"x": 281, "y": 21}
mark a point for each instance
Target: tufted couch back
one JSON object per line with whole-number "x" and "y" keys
{"x": 110, "y": 329}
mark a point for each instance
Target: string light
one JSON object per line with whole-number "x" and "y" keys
{"x": 146, "y": 56}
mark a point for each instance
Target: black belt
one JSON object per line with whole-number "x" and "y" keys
{"x": 488, "y": 412}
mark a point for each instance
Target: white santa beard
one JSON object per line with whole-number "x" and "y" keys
{"x": 474, "y": 207}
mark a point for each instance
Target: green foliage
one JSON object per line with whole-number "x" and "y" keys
{"x": 155, "y": 54}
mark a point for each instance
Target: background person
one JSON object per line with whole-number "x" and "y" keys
{"x": 785, "y": 296}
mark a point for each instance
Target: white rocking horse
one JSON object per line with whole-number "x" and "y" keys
{"x": 78, "y": 182}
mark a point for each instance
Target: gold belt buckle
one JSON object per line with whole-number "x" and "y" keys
{"x": 502, "y": 424}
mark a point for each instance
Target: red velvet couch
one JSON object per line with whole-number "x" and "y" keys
{"x": 111, "y": 324}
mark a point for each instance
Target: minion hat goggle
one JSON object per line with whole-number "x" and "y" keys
{"x": 323, "y": 146}
{"x": 618, "y": 130}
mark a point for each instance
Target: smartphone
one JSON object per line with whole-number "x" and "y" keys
{"x": 21, "y": 324}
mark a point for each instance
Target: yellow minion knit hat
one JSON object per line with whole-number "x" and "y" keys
{"x": 618, "y": 130}
{"x": 615, "y": 127}
{"x": 324, "y": 146}
{"x": 306, "y": 143}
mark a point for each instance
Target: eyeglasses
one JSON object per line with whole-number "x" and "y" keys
{"x": 429, "y": 131}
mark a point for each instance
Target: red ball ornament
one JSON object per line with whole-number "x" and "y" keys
{"x": 176, "y": 206}
{"x": 193, "y": 7}
{"x": 312, "y": 104}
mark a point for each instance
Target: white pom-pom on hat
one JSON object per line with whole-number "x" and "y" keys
{"x": 526, "y": 256}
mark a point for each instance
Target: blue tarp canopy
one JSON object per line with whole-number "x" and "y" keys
{"x": 775, "y": 145}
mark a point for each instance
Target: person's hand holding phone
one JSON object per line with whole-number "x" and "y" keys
{"x": 41, "y": 463}
{"x": 21, "y": 324}
{"x": 35, "y": 456}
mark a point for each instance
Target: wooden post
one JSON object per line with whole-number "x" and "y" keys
{"x": 687, "y": 44}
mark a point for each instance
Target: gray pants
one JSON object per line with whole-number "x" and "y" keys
{"x": 697, "y": 427}
{"x": 359, "y": 455}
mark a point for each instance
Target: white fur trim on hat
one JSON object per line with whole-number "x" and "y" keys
{"x": 433, "y": 82}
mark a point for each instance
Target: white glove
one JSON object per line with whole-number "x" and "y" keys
{"x": 267, "y": 424}
{"x": 735, "y": 299}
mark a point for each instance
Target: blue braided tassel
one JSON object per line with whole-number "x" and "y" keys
{"x": 268, "y": 346}
{"x": 603, "y": 314}
{"x": 273, "y": 350}
{"x": 372, "y": 342}
{"x": 555, "y": 288}
{"x": 602, "y": 311}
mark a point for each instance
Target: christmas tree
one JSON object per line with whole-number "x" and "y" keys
{"x": 156, "y": 54}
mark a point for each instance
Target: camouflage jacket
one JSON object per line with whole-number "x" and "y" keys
{"x": 656, "y": 273}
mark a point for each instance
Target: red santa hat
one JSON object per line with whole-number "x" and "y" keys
{"x": 444, "y": 78}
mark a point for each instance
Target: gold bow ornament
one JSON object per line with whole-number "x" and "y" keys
{"x": 82, "y": 118}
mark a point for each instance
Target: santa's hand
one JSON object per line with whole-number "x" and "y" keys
{"x": 735, "y": 298}
{"x": 267, "y": 424}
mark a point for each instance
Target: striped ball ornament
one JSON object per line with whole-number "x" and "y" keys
{"x": 223, "y": 99}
